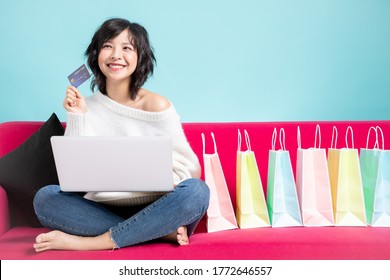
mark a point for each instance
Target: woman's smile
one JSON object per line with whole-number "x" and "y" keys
{"x": 116, "y": 66}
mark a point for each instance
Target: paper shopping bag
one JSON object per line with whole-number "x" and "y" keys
{"x": 313, "y": 185}
{"x": 251, "y": 211}
{"x": 282, "y": 197}
{"x": 346, "y": 185}
{"x": 220, "y": 214}
{"x": 375, "y": 169}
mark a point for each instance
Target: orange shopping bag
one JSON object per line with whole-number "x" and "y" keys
{"x": 220, "y": 214}
{"x": 313, "y": 184}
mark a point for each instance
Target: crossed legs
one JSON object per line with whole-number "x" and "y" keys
{"x": 171, "y": 218}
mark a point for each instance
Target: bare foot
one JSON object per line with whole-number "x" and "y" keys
{"x": 180, "y": 236}
{"x": 58, "y": 240}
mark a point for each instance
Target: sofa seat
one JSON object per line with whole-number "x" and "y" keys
{"x": 298, "y": 243}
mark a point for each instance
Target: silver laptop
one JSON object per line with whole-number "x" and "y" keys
{"x": 93, "y": 163}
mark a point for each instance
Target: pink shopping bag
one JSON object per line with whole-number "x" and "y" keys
{"x": 220, "y": 214}
{"x": 313, "y": 184}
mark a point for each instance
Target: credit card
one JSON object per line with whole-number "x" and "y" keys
{"x": 79, "y": 76}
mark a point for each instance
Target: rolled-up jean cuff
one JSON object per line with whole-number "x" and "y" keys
{"x": 112, "y": 239}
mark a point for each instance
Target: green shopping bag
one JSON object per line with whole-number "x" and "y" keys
{"x": 375, "y": 169}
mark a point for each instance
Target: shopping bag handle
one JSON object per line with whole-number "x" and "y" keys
{"x": 383, "y": 138}
{"x": 334, "y": 138}
{"x": 376, "y": 137}
{"x": 248, "y": 143}
{"x": 349, "y": 128}
{"x": 204, "y": 143}
{"x": 299, "y": 137}
{"x": 274, "y": 135}
{"x": 282, "y": 139}
{"x": 318, "y": 133}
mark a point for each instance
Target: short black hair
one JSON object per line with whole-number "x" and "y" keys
{"x": 139, "y": 39}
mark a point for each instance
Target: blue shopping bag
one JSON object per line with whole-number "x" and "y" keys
{"x": 282, "y": 200}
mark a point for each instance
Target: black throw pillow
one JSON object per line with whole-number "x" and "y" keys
{"x": 28, "y": 168}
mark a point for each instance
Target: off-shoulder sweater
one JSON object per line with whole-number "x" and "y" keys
{"x": 106, "y": 117}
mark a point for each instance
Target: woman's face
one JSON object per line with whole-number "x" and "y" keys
{"x": 118, "y": 58}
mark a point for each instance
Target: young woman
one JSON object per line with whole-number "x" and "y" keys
{"x": 121, "y": 60}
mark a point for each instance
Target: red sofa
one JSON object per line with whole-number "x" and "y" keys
{"x": 262, "y": 243}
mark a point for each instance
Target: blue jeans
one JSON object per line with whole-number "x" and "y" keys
{"x": 71, "y": 213}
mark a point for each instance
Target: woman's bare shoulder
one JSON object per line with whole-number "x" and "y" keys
{"x": 153, "y": 102}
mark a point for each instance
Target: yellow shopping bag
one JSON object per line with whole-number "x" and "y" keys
{"x": 251, "y": 211}
{"x": 346, "y": 184}
{"x": 220, "y": 214}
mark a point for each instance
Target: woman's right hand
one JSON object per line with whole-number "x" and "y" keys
{"x": 74, "y": 102}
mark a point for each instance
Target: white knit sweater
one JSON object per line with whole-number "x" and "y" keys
{"x": 106, "y": 117}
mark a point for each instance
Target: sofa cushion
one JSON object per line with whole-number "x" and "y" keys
{"x": 29, "y": 167}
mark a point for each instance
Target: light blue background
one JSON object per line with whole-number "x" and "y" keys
{"x": 264, "y": 60}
